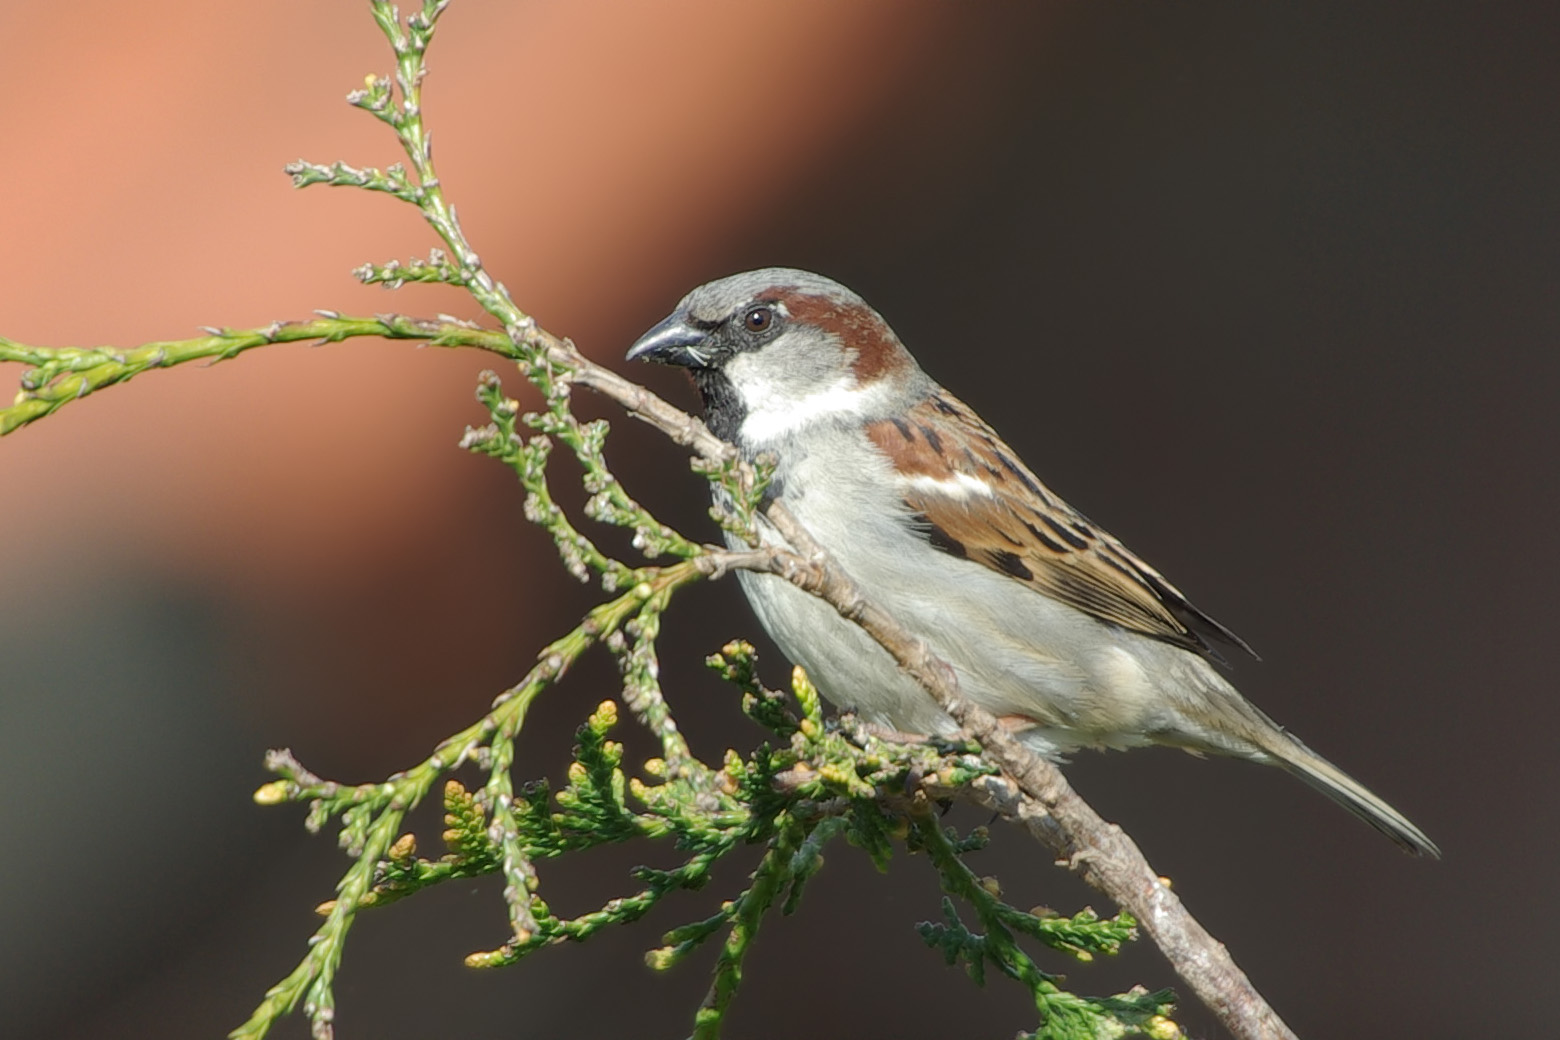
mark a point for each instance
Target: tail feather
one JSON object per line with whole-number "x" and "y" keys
{"x": 1351, "y": 794}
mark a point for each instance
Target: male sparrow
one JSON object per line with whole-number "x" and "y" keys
{"x": 1048, "y": 622}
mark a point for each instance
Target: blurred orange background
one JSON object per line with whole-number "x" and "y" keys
{"x": 1269, "y": 292}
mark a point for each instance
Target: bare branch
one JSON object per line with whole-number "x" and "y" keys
{"x": 1108, "y": 860}
{"x": 1033, "y": 792}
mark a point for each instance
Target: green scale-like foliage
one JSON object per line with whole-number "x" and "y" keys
{"x": 811, "y": 783}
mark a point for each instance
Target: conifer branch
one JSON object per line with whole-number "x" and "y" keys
{"x": 820, "y": 781}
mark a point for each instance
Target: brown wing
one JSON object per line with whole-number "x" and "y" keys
{"x": 1024, "y": 531}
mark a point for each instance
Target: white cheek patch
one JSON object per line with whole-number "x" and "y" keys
{"x": 958, "y": 486}
{"x": 772, "y": 414}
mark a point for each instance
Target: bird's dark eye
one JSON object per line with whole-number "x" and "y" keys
{"x": 758, "y": 319}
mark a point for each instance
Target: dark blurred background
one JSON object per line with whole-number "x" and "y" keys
{"x": 1267, "y": 289}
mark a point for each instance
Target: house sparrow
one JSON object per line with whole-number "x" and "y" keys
{"x": 1048, "y": 622}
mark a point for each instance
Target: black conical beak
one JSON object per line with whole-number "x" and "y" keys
{"x": 673, "y": 342}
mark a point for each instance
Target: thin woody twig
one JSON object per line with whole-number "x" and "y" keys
{"x": 1034, "y": 793}
{"x": 1040, "y": 798}
{"x": 1031, "y": 791}
{"x": 1109, "y": 861}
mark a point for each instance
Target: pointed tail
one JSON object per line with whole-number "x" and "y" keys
{"x": 1349, "y": 793}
